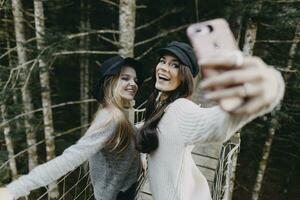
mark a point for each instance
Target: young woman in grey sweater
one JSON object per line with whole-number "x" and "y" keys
{"x": 107, "y": 145}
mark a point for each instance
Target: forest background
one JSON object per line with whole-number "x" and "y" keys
{"x": 50, "y": 53}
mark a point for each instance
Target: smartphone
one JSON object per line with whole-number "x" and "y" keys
{"x": 207, "y": 38}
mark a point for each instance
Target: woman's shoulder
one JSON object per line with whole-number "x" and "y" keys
{"x": 103, "y": 120}
{"x": 184, "y": 103}
{"x": 103, "y": 114}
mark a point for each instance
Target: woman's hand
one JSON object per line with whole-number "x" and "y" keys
{"x": 248, "y": 78}
{"x": 5, "y": 194}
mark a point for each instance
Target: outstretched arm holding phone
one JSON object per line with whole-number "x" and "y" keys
{"x": 245, "y": 88}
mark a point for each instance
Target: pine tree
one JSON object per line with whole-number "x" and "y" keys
{"x": 24, "y": 72}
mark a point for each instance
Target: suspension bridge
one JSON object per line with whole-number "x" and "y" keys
{"x": 217, "y": 162}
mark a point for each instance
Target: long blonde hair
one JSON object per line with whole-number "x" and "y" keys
{"x": 115, "y": 104}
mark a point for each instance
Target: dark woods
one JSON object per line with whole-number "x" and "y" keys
{"x": 51, "y": 50}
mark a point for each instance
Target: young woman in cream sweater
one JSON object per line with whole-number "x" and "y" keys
{"x": 174, "y": 123}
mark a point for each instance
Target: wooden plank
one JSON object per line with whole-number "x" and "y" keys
{"x": 146, "y": 186}
{"x": 208, "y": 173}
{"x": 145, "y": 192}
{"x": 144, "y": 196}
{"x": 211, "y": 150}
{"x": 205, "y": 161}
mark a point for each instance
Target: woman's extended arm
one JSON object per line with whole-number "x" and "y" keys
{"x": 214, "y": 124}
{"x": 71, "y": 158}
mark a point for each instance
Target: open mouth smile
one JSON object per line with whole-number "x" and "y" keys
{"x": 163, "y": 77}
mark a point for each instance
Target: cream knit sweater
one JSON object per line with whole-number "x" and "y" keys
{"x": 173, "y": 175}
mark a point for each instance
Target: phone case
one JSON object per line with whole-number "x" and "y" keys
{"x": 207, "y": 38}
{"x": 210, "y": 36}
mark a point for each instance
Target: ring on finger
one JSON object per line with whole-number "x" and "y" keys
{"x": 249, "y": 89}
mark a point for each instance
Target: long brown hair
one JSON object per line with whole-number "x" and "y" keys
{"x": 115, "y": 104}
{"x": 147, "y": 139}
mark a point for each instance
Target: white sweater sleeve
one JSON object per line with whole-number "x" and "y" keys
{"x": 71, "y": 158}
{"x": 209, "y": 125}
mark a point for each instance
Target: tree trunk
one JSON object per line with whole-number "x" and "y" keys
{"x": 7, "y": 127}
{"x": 250, "y": 38}
{"x": 8, "y": 142}
{"x": 45, "y": 90}
{"x": 10, "y": 64}
{"x": 264, "y": 161}
{"x": 26, "y": 95}
{"x": 127, "y": 10}
{"x": 84, "y": 64}
{"x": 17, "y": 102}
{"x": 293, "y": 48}
{"x": 291, "y": 58}
{"x": 272, "y": 129}
{"x": 251, "y": 31}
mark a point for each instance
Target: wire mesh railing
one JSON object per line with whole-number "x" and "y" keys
{"x": 77, "y": 184}
{"x": 225, "y": 172}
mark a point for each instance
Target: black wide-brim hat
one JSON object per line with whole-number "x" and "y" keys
{"x": 113, "y": 66}
{"x": 184, "y": 52}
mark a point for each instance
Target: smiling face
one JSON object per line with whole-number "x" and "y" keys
{"x": 167, "y": 74}
{"x": 127, "y": 83}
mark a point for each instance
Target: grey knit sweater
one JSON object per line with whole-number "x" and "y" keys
{"x": 110, "y": 172}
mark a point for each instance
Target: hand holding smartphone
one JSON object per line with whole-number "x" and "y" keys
{"x": 209, "y": 38}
